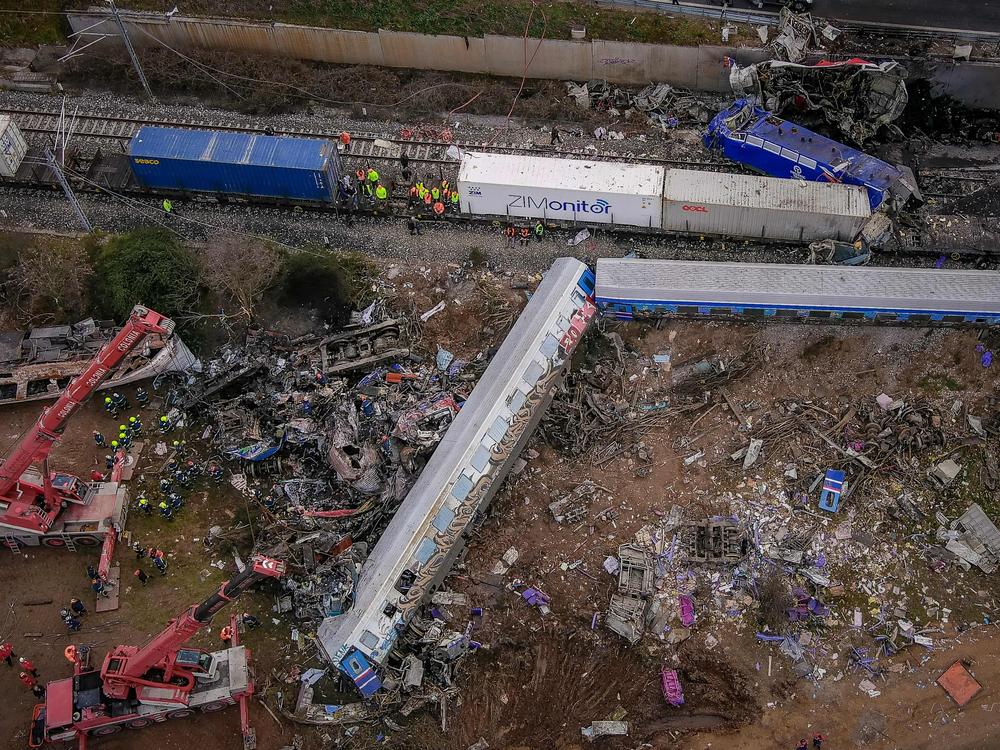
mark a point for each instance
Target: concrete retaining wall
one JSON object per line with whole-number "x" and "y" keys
{"x": 618, "y": 62}
{"x": 699, "y": 68}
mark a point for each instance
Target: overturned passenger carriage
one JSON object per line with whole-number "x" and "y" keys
{"x": 429, "y": 530}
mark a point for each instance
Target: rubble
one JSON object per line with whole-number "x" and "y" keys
{"x": 660, "y": 103}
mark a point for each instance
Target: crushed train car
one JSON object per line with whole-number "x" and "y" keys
{"x": 39, "y": 363}
{"x": 756, "y": 138}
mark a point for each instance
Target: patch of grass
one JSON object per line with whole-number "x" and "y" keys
{"x": 936, "y": 382}
{"x": 553, "y": 19}
{"x": 44, "y": 25}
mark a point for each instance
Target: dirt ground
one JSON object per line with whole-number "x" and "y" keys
{"x": 538, "y": 679}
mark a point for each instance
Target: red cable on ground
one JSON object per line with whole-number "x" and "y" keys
{"x": 528, "y": 61}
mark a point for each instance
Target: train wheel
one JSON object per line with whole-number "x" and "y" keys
{"x": 138, "y": 723}
{"x": 53, "y": 542}
{"x": 105, "y": 731}
{"x": 214, "y": 706}
{"x": 86, "y": 541}
{"x": 180, "y": 713}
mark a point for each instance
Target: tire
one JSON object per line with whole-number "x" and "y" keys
{"x": 214, "y": 706}
{"x": 106, "y": 731}
{"x": 87, "y": 541}
{"x": 54, "y": 542}
{"x": 138, "y": 723}
{"x": 180, "y": 713}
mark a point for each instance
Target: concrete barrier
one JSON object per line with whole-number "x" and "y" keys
{"x": 975, "y": 84}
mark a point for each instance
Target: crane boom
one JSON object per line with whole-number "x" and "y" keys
{"x": 36, "y": 444}
{"x": 127, "y": 667}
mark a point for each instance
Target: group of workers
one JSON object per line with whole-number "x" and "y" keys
{"x": 524, "y": 233}
{"x": 154, "y": 555}
{"x": 28, "y": 674}
{"x": 71, "y": 615}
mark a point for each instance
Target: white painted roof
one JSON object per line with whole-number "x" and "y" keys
{"x": 561, "y": 174}
{"x": 776, "y": 193}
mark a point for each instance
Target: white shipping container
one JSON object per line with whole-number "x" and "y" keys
{"x": 13, "y": 147}
{"x": 762, "y": 207}
{"x": 586, "y": 192}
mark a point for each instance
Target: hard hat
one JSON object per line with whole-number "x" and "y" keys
{"x": 132, "y": 419}
{"x": 114, "y": 443}
{"x": 107, "y": 399}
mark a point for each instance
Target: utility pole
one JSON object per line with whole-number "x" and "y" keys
{"x": 131, "y": 51}
{"x": 68, "y": 190}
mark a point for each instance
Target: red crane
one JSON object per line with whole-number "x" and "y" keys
{"x": 137, "y": 687}
{"x": 31, "y": 503}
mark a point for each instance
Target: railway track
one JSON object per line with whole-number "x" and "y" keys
{"x": 363, "y": 145}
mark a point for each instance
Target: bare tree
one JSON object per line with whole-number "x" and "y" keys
{"x": 240, "y": 270}
{"x": 50, "y": 281}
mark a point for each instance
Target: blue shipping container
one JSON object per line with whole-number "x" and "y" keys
{"x": 237, "y": 164}
{"x": 753, "y": 136}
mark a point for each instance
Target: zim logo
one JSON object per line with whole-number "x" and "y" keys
{"x": 147, "y": 161}
{"x": 698, "y": 209}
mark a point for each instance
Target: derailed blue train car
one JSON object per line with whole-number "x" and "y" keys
{"x": 235, "y": 164}
{"x": 752, "y": 136}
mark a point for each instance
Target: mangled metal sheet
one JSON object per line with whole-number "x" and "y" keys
{"x": 855, "y": 96}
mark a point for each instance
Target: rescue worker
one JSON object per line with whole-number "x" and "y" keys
{"x": 96, "y": 476}
{"x": 372, "y": 176}
{"x": 72, "y": 623}
{"x": 250, "y": 621}
{"x": 125, "y": 440}
{"x": 166, "y": 511}
{"x": 77, "y": 607}
{"x": 192, "y": 469}
{"x": 438, "y": 208}
{"x": 140, "y": 551}
{"x": 435, "y": 193}
{"x": 215, "y": 472}
{"x": 411, "y": 197}
{"x": 511, "y": 233}
{"x": 454, "y": 201}
{"x": 525, "y": 235}
{"x": 539, "y": 231}
{"x": 381, "y": 194}
{"x": 32, "y": 684}
{"x": 226, "y": 634}
{"x": 164, "y": 424}
{"x": 109, "y": 462}
{"x": 176, "y": 501}
{"x": 99, "y": 440}
{"x": 7, "y": 653}
{"x": 91, "y": 572}
{"x": 818, "y": 740}
{"x": 119, "y": 400}
{"x": 555, "y": 136}
{"x": 70, "y": 653}
{"x": 427, "y": 198}
{"x": 345, "y": 141}
{"x": 28, "y": 666}
{"x": 98, "y": 587}
{"x": 114, "y": 447}
{"x": 164, "y": 486}
{"x": 122, "y": 428}
{"x": 161, "y": 565}
{"x": 144, "y": 507}
{"x": 136, "y": 424}
{"x": 142, "y": 575}
{"x": 413, "y": 224}
{"x": 803, "y": 745}
{"x": 110, "y": 408}
{"x": 141, "y": 397}
{"x": 167, "y": 206}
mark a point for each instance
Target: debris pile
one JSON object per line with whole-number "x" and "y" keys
{"x": 661, "y": 104}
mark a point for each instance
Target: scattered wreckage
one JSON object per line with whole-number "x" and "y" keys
{"x": 39, "y": 363}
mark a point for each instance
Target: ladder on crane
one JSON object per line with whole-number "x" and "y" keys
{"x": 11, "y": 543}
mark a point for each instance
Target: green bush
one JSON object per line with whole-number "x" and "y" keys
{"x": 149, "y": 267}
